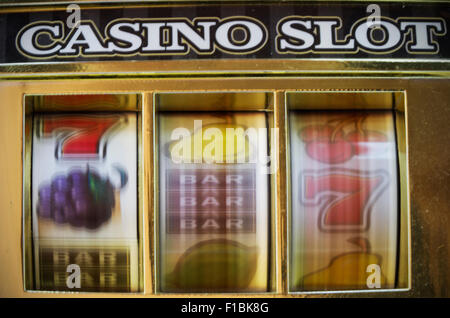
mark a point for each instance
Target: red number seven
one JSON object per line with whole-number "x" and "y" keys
{"x": 344, "y": 198}
{"x": 79, "y": 136}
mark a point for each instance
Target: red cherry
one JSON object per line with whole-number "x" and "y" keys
{"x": 330, "y": 152}
{"x": 318, "y": 132}
{"x": 361, "y": 141}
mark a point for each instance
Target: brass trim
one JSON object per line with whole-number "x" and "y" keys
{"x": 404, "y": 273}
{"x": 147, "y": 146}
{"x": 27, "y": 233}
{"x": 154, "y": 190}
{"x": 281, "y": 209}
{"x": 233, "y": 67}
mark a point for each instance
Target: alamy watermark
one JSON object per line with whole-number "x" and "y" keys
{"x": 227, "y": 145}
{"x": 373, "y": 20}
{"x": 74, "y": 278}
{"x": 374, "y": 278}
{"x": 73, "y": 20}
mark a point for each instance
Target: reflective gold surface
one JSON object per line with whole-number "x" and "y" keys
{"x": 423, "y": 149}
{"x": 426, "y": 147}
{"x": 241, "y": 67}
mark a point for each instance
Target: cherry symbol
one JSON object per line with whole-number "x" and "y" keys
{"x": 325, "y": 143}
{"x": 330, "y": 152}
{"x": 361, "y": 140}
{"x": 318, "y": 132}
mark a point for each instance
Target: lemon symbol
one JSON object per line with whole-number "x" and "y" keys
{"x": 214, "y": 143}
{"x": 214, "y": 266}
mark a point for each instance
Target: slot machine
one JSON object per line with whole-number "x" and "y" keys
{"x": 233, "y": 149}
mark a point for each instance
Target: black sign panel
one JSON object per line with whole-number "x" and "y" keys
{"x": 225, "y": 31}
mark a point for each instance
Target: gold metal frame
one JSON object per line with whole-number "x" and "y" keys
{"x": 202, "y": 68}
{"x": 423, "y": 149}
{"x": 179, "y": 105}
{"x": 367, "y": 100}
{"x": 426, "y": 119}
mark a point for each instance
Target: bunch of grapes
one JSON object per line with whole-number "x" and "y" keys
{"x": 81, "y": 198}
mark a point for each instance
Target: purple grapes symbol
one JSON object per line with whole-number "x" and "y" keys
{"x": 81, "y": 198}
